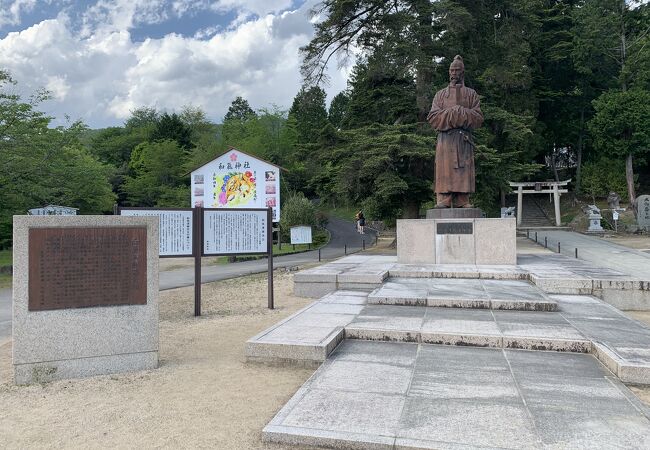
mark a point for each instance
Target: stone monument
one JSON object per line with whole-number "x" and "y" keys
{"x": 85, "y": 296}
{"x": 643, "y": 212}
{"x": 455, "y": 232}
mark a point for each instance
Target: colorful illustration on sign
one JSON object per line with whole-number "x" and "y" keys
{"x": 270, "y": 202}
{"x": 234, "y": 188}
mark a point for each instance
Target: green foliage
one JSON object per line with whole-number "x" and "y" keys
{"x": 308, "y": 111}
{"x": 621, "y": 125}
{"x": 380, "y": 93}
{"x": 239, "y": 110}
{"x": 172, "y": 127}
{"x": 42, "y": 165}
{"x": 603, "y": 176}
{"x": 296, "y": 210}
{"x": 338, "y": 109}
{"x": 158, "y": 177}
{"x": 387, "y": 169}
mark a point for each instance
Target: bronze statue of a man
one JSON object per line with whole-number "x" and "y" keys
{"x": 455, "y": 111}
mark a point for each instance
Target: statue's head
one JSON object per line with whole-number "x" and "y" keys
{"x": 457, "y": 71}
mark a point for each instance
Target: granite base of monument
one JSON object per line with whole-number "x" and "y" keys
{"x": 454, "y": 213}
{"x": 85, "y": 296}
{"x": 457, "y": 241}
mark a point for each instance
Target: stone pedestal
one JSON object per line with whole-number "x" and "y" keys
{"x": 60, "y": 328}
{"x": 454, "y": 213}
{"x": 457, "y": 241}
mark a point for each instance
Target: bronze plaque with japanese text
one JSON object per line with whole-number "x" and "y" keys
{"x": 87, "y": 267}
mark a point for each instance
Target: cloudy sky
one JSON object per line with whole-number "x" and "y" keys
{"x": 101, "y": 59}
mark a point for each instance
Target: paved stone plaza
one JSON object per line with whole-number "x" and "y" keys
{"x": 399, "y": 395}
{"x": 464, "y": 356}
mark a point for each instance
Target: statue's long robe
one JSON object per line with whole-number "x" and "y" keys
{"x": 455, "y": 111}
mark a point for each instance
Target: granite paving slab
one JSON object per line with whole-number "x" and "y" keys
{"x": 582, "y": 324}
{"x": 417, "y": 396}
{"x": 462, "y": 293}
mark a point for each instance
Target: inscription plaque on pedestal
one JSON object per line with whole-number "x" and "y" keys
{"x": 454, "y": 228}
{"x": 87, "y": 267}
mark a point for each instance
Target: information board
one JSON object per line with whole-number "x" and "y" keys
{"x": 235, "y": 231}
{"x": 237, "y": 180}
{"x": 175, "y": 229}
{"x": 301, "y": 235}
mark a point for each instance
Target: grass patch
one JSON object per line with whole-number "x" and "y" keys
{"x": 6, "y": 258}
{"x": 344, "y": 213}
{"x": 5, "y": 280}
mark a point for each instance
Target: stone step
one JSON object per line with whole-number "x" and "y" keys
{"x": 462, "y": 293}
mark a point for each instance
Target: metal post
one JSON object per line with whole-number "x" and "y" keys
{"x": 520, "y": 205}
{"x": 558, "y": 247}
{"x": 116, "y": 210}
{"x": 545, "y": 241}
{"x": 319, "y": 255}
{"x": 294, "y": 246}
{"x": 345, "y": 248}
{"x": 198, "y": 249}
{"x": 269, "y": 249}
{"x": 576, "y": 252}
{"x": 527, "y": 234}
{"x": 363, "y": 244}
{"x": 536, "y": 237}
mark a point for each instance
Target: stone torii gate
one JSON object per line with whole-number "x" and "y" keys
{"x": 540, "y": 187}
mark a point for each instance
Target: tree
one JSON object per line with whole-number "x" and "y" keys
{"x": 43, "y": 165}
{"x": 297, "y": 210}
{"x": 158, "y": 175}
{"x": 338, "y": 108}
{"x": 403, "y": 27}
{"x": 308, "y": 110}
{"x": 380, "y": 93}
{"x": 621, "y": 128}
{"x": 171, "y": 127}
{"x": 144, "y": 117}
{"x": 239, "y": 110}
{"x": 386, "y": 168}
{"x": 614, "y": 44}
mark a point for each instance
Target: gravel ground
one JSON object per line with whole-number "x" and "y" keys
{"x": 203, "y": 395}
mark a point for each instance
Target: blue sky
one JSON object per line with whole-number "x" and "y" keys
{"x": 101, "y": 59}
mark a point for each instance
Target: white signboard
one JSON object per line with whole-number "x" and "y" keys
{"x": 175, "y": 229}
{"x": 235, "y": 232}
{"x": 237, "y": 180}
{"x": 53, "y": 210}
{"x": 301, "y": 235}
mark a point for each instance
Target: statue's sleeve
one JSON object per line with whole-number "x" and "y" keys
{"x": 440, "y": 119}
{"x": 474, "y": 115}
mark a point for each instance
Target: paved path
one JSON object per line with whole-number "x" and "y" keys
{"x": 390, "y": 395}
{"x": 344, "y": 238}
{"x": 599, "y": 251}
{"x": 343, "y": 235}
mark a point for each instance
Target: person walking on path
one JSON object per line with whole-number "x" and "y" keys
{"x": 362, "y": 222}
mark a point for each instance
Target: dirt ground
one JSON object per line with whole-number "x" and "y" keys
{"x": 638, "y": 242}
{"x": 203, "y": 395}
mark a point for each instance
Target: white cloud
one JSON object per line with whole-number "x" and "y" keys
{"x": 102, "y": 76}
{"x": 10, "y": 11}
{"x": 258, "y": 7}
